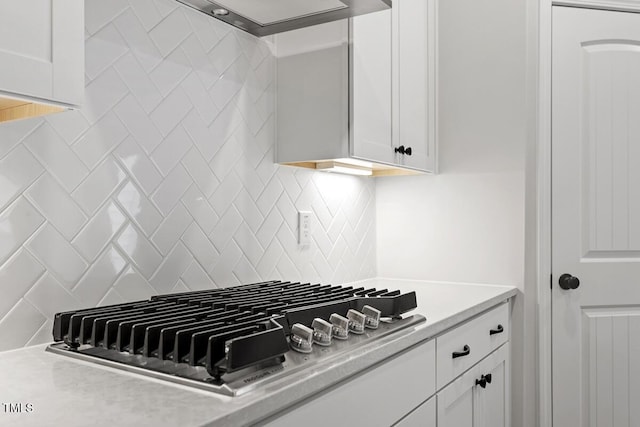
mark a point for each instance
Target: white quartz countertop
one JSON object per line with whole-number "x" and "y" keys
{"x": 66, "y": 392}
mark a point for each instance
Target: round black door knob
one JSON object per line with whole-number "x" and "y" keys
{"x": 399, "y": 149}
{"x": 408, "y": 151}
{"x": 568, "y": 282}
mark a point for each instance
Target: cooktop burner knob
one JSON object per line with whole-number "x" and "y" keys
{"x": 301, "y": 338}
{"x": 340, "y": 325}
{"x": 356, "y": 321}
{"x": 372, "y": 319}
{"x": 321, "y": 331}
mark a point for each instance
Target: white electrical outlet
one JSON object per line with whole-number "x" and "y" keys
{"x": 304, "y": 227}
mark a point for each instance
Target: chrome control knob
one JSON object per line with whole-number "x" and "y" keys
{"x": 372, "y": 317}
{"x": 301, "y": 338}
{"x": 356, "y": 321}
{"x": 340, "y": 326}
{"x": 322, "y": 331}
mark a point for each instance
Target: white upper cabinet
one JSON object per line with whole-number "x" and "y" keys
{"x": 360, "y": 92}
{"x": 371, "y": 94}
{"x": 42, "y": 53}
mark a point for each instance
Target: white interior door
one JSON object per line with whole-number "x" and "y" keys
{"x": 596, "y": 217}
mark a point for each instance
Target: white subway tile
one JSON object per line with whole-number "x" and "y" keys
{"x": 171, "y": 111}
{"x": 139, "y": 166}
{"x": 139, "y": 208}
{"x": 100, "y": 140}
{"x": 201, "y": 136}
{"x": 171, "y": 150}
{"x": 170, "y": 72}
{"x": 246, "y": 240}
{"x": 98, "y": 186}
{"x": 200, "y": 172}
{"x": 197, "y": 93}
{"x": 169, "y": 232}
{"x": 99, "y": 13}
{"x": 267, "y": 264}
{"x": 172, "y": 189}
{"x": 225, "y": 229}
{"x": 139, "y": 250}
{"x": 68, "y": 124}
{"x": 100, "y": 277}
{"x": 196, "y": 279}
{"x": 200, "y": 246}
{"x": 171, "y": 269}
{"x": 99, "y": 231}
{"x": 17, "y": 223}
{"x": 17, "y": 276}
{"x": 132, "y": 286}
{"x": 102, "y": 50}
{"x": 17, "y": 327}
{"x": 49, "y": 296}
{"x": 138, "y": 39}
{"x": 200, "y": 209}
{"x": 56, "y": 156}
{"x": 138, "y": 82}
{"x": 225, "y": 52}
{"x": 57, "y": 254}
{"x": 170, "y": 32}
{"x": 102, "y": 94}
{"x": 250, "y": 212}
{"x": 138, "y": 123}
{"x": 200, "y": 61}
{"x": 203, "y": 29}
{"x": 17, "y": 171}
{"x": 147, "y": 12}
{"x": 14, "y": 132}
{"x": 56, "y": 205}
{"x": 245, "y": 272}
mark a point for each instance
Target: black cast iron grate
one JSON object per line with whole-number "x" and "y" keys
{"x": 223, "y": 330}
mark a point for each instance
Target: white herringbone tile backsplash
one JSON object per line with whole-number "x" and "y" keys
{"x": 164, "y": 181}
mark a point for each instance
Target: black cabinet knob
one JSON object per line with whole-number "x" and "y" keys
{"x": 568, "y": 282}
{"x": 482, "y": 382}
{"x": 402, "y": 150}
{"x": 465, "y": 352}
{"x": 488, "y": 378}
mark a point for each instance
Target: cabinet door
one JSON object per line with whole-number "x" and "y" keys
{"x": 414, "y": 125}
{"x": 42, "y": 49}
{"x": 456, "y": 402}
{"x": 491, "y": 404}
{"x": 465, "y": 403}
{"x": 370, "y": 87}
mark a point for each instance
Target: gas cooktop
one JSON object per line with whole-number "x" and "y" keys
{"x": 231, "y": 340}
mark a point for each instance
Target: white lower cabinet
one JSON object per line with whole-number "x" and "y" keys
{"x": 460, "y": 378}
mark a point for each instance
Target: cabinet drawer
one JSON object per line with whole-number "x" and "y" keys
{"x": 480, "y": 336}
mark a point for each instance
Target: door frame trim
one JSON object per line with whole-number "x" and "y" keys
{"x": 543, "y": 214}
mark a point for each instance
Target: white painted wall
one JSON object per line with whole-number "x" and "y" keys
{"x": 467, "y": 224}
